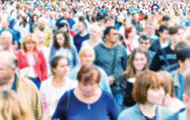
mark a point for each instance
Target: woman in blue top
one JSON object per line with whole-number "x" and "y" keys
{"x": 148, "y": 92}
{"x": 62, "y": 46}
{"x": 87, "y": 101}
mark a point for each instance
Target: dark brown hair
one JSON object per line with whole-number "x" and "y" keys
{"x": 87, "y": 73}
{"x": 66, "y": 44}
{"x": 147, "y": 79}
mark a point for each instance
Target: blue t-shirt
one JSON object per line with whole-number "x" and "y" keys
{"x": 103, "y": 109}
{"x": 78, "y": 39}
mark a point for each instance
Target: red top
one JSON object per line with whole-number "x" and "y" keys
{"x": 40, "y": 66}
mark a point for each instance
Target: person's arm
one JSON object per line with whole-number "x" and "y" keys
{"x": 155, "y": 65}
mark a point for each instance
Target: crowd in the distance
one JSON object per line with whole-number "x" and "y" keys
{"x": 95, "y": 60}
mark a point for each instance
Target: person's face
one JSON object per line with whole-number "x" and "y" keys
{"x": 62, "y": 68}
{"x": 93, "y": 33}
{"x": 30, "y": 46}
{"x": 66, "y": 14}
{"x": 88, "y": 58}
{"x": 113, "y": 37}
{"x": 185, "y": 64}
{"x": 149, "y": 29}
{"x": 5, "y": 24}
{"x": 41, "y": 39}
{"x": 80, "y": 27}
{"x": 140, "y": 61}
{"x": 7, "y": 40}
{"x": 179, "y": 35}
{"x": 155, "y": 96}
{"x": 42, "y": 24}
{"x": 145, "y": 44}
{"x": 5, "y": 72}
{"x": 35, "y": 18}
{"x": 164, "y": 35}
{"x": 132, "y": 34}
{"x": 60, "y": 39}
{"x": 88, "y": 89}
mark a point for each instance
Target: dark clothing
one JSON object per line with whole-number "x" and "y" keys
{"x": 69, "y": 20}
{"x": 103, "y": 109}
{"x": 172, "y": 68}
{"x": 126, "y": 88}
{"x": 163, "y": 58}
{"x": 78, "y": 39}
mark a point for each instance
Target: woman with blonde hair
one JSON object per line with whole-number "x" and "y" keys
{"x": 31, "y": 61}
{"x": 137, "y": 62}
{"x": 12, "y": 107}
{"x": 87, "y": 56}
{"x": 95, "y": 37}
{"x": 170, "y": 101}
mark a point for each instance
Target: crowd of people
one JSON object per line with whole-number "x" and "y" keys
{"x": 95, "y": 60}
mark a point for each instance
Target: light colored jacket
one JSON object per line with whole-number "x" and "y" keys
{"x": 134, "y": 113}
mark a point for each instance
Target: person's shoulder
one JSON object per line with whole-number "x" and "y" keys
{"x": 165, "y": 112}
{"x": 99, "y": 46}
{"x": 128, "y": 114}
{"x": 181, "y": 115}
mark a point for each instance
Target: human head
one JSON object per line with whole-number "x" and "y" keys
{"x": 144, "y": 42}
{"x": 29, "y": 38}
{"x": 88, "y": 79}
{"x": 42, "y": 22}
{"x": 40, "y": 37}
{"x": 144, "y": 82}
{"x": 5, "y": 24}
{"x": 150, "y": 28}
{"x": 13, "y": 107}
{"x": 34, "y": 18}
{"x": 82, "y": 26}
{"x": 131, "y": 70}
{"x": 164, "y": 32}
{"x": 111, "y": 34}
{"x": 165, "y": 19}
{"x": 95, "y": 31}
{"x": 169, "y": 82}
{"x": 64, "y": 26}
{"x": 176, "y": 34}
{"x": 109, "y": 22}
{"x": 183, "y": 57}
{"x": 87, "y": 73}
{"x": 55, "y": 63}
{"x": 7, "y": 38}
{"x": 61, "y": 39}
{"x": 130, "y": 32}
{"x": 86, "y": 55}
{"x": 7, "y": 67}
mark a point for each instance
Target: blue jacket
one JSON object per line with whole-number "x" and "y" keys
{"x": 134, "y": 113}
{"x": 181, "y": 115}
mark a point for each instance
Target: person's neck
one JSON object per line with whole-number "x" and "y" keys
{"x": 109, "y": 44}
{"x": 83, "y": 33}
{"x": 9, "y": 84}
{"x": 59, "y": 81}
{"x": 148, "y": 110}
{"x": 162, "y": 41}
{"x": 95, "y": 41}
{"x": 173, "y": 45}
{"x": 149, "y": 34}
{"x": 6, "y": 28}
{"x": 181, "y": 70}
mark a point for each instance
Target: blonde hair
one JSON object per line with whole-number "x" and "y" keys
{"x": 13, "y": 107}
{"x": 6, "y": 34}
{"x": 84, "y": 50}
{"x": 29, "y": 38}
